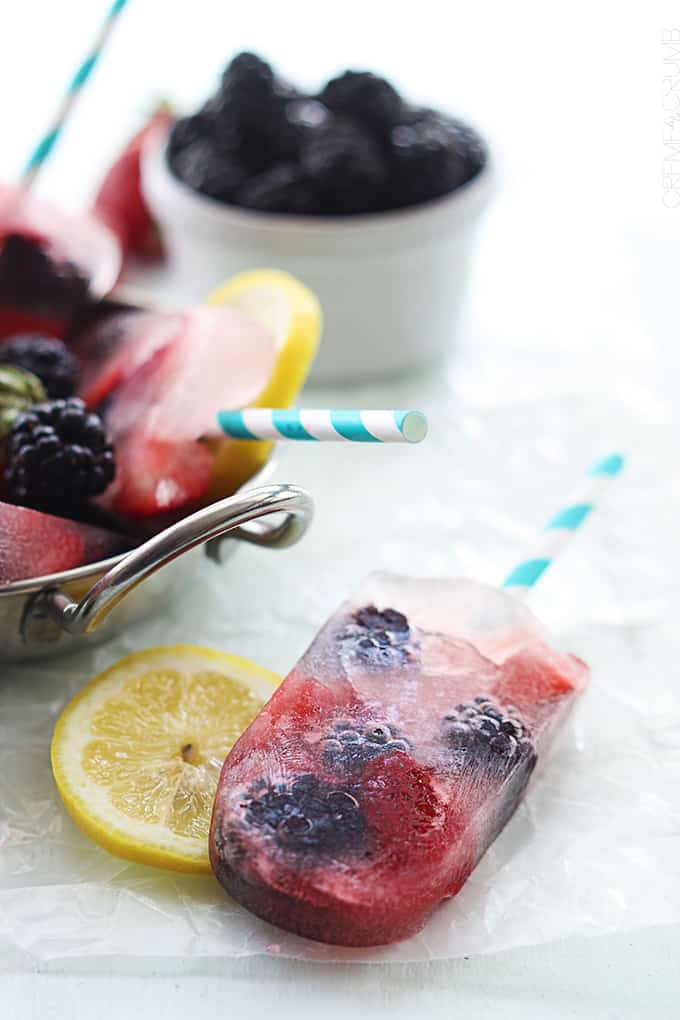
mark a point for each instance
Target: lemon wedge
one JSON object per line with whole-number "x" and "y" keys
{"x": 137, "y": 753}
{"x": 286, "y": 308}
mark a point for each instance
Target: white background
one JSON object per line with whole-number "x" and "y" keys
{"x": 578, "y": 241}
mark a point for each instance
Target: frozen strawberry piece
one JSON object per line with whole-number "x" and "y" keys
{"x": 33, "y": 544}
{"x": 412, "y": 748}
{"x": 166, "y": 377}
{"x": 111, "y": 350}
{"x": 156, "y": 476}
{"x": 120, "y": 203}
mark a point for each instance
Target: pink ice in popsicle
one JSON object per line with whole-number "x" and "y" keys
{"x": 393, "y": 754}
{"x": 159, "y": 380}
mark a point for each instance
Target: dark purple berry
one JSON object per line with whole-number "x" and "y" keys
{"x": 36, "y": 281}
{"x": 366, "y": 98}
{"x": 378, "y": 637}
{"x": 187, "y": 130}
{"x": 386, "y": 619}
{"x": 309, "y": 816}
{"x": 346, "y": 167}
{"x": 284, "y": 189}
{"x": 204, "y": 169}
{"x": 348, "y": 750}
{"x": 47, "y": 358}
{"x": 256, "y": 99}
{"x": 430, "y": 155}
{"x": 58, "y": 456}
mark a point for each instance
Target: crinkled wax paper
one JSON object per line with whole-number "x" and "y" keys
{"x": 514, "y": 421}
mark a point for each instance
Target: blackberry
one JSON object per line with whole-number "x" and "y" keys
{"x": 365, "y": 97}
{"x": 387, "y": 619}
{"x": 223, "y": 127}
{"x": 187, "y": 130}
{"x": 257, "y": 100}
{"x": 482, "y": 729}
{"x": 482, "y": 733}
{"x": 33, "y": 280}
{"x": 204, "y": 169}
{"x": 349, "y": 749}
{"x": 58, "y": 455}
{"x": 378, "y": 637}
{"x": 430, "y": 155}
{"x": 307, "y": 816}
{"x": 47, "y": 358}
{"x": 346, "y": 167}
{"x": 281, "y": 190}
{"x": 302, "y": 121}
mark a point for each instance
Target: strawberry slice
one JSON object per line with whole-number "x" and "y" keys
{"x": 157, "y": 476}
{"x": 119, "y": 202}
{"x": 33, "y": 544}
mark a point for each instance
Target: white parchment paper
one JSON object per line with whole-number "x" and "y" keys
{"x": 595, "y": 846}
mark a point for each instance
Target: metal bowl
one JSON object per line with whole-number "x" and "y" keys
{"x": 62, "y": 612}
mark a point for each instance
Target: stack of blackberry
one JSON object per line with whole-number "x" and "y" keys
{"x": 355, "y": 147}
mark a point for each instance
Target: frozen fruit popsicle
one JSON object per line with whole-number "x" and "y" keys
{"x": 33, "y": 544}
{"x": 51, "y": 263}
{"x": 393, "y": 754}
{"x": 159, "y": 379}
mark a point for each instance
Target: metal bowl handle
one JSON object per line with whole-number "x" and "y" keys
{"x": 228, "y": 515}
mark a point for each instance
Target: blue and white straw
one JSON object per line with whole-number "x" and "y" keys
{"x": 337, "y": 426}
{"x": 561, "y": 528}
{"x": 47, "y": 142}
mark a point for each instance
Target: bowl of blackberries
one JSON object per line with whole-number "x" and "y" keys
{"x": 371, "y": 200}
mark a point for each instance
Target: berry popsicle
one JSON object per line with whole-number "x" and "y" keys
{"x": 33, "y": 544}
{"x": 51, "y": 263}
{"x": 395, "y": 751}
{"x": 160, "y": 378}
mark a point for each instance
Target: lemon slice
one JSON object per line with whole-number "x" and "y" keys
{"x": 286, "y": 308}
{"x": 137, "y": 753}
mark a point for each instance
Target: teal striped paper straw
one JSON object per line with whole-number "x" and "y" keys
{"x": 314, "y": 426}
{"x": 561, "y": 528}
{"x": 47, "y": 142}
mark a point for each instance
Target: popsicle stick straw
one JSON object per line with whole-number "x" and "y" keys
{"x": 314, "y": 426}
{"x": 561, "y": 528}
{"x": 44, "y": 147}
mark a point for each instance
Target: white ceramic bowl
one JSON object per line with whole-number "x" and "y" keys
{"x": 391, "y": 285}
